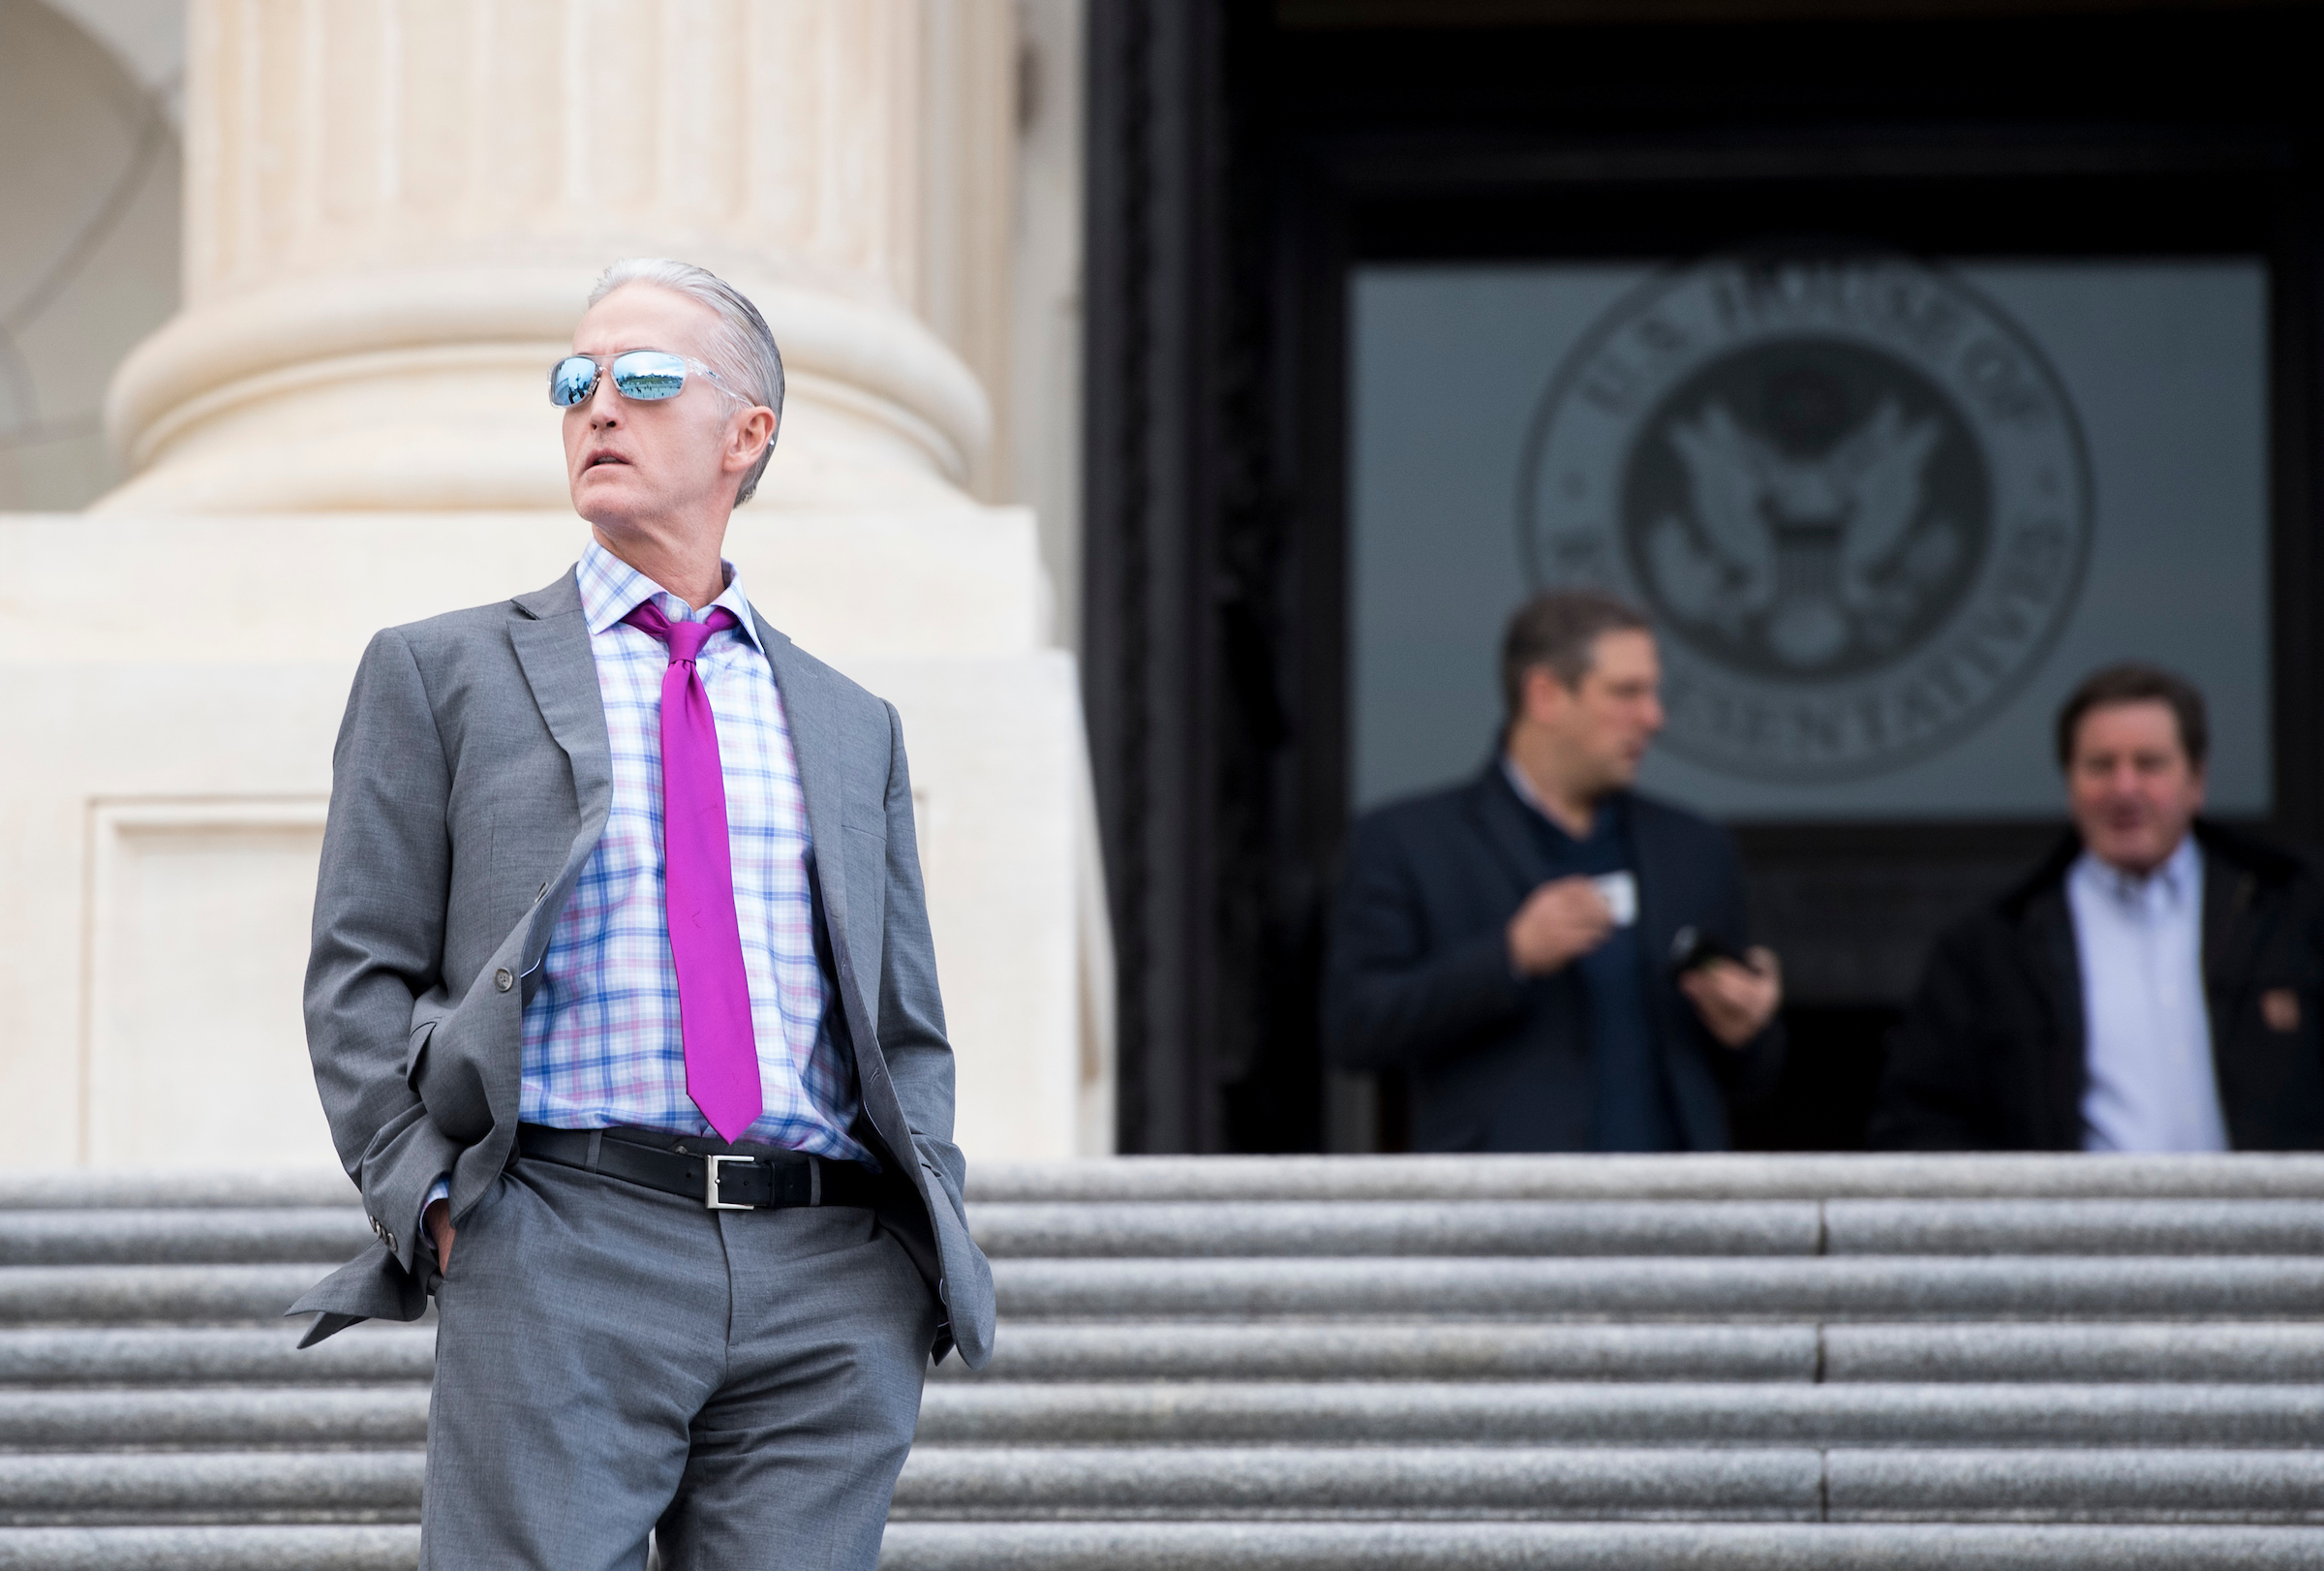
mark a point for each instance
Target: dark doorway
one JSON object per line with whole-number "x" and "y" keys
{"x": 1246, "y": 159}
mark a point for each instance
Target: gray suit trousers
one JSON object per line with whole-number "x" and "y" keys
{"x": 613, "y": 1362}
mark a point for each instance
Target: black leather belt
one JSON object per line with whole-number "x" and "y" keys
{"x": 705, "y": 1169}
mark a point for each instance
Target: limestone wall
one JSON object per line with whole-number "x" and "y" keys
{"x": 391, "y": 216}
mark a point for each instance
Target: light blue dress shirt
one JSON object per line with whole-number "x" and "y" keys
{"x": 601, "y": 1044}
{"x": 2150, "y": 1085}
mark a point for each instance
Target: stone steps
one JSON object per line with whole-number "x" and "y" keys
{"x": 362, "y": 1548}
{"x": 1213, "y": 1179}
{"x": 1301, "y": 1545}
{"x": 1634, "y": 1289}
{"x": 1523, "y": 1546}
{"x": 2289, "y": 1352}
{"x": 1411, "y": 1412}
{"x": 230, "y": 1417}
{"x": 1291, "y": 1363}
{"x": 152, "y": 1295}
{"x": 1657, "y": 1288}
{"x": 190, "y": 1487}
{"x": 1490, "y": 1229}
{"x": 1462, "y": 1229}
{"x": 1279, "y": 1483}
{"x": 1519, "y": 1483}
{"x": 239, "y": 1355}
{"x": 1324, "y": 1351}
{"x": 963, "y": 1413}
{"x": 158, "y": 1236}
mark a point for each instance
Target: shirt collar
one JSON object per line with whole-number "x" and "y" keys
{"x": 1519, "y": 784}
{"x": 1532, "y": 798}
{"x": 611, "y": 589}
{"x": 2170, "y": 885}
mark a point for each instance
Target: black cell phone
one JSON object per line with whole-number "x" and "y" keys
{"x": 1692, "y": 949}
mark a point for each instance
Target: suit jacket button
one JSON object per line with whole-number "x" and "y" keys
{"x": 503, "y": 980}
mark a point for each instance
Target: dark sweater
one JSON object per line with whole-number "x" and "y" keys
{"x": 1419, "y": 975}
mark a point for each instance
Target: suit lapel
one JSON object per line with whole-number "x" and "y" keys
{"x": 2054, "y": 965}
{"x": 552, "y": 645}
{"x": 1656, "y": 932}
{"x": 2230, "y": 916}
{"x": 813, "y": 713}
{"x": 1501, "y": 815}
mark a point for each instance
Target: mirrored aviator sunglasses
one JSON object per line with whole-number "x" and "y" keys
{"x": 642, "y": 374}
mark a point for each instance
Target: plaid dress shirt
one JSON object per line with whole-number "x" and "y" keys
{"x": 600, "y": 1043}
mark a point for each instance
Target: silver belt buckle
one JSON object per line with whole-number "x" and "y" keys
{"x": 710, "y": 1181}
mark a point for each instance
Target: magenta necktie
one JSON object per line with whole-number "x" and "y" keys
{"x": 706, "y": 941}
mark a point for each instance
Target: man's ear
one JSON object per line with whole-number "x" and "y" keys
{"x": 1545, "y": 693}
{"x": 748, "y": 437}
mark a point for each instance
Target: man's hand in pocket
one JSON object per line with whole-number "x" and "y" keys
{"x": 438, "y": 1220}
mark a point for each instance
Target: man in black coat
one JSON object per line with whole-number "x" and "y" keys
{"x": 2152, "y": 986}
{"x": 1553, "y": 960}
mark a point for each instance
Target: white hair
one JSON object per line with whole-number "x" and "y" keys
{"x": 742, "y": 350}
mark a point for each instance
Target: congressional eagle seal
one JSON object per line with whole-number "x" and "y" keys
{"x": 1851, "y": 491}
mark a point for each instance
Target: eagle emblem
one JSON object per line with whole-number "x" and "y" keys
{"x": 1813, "y": 555}
{"x": 1851, "y": 491}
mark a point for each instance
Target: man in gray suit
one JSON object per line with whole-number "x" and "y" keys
{"x": 623, "y": 1010}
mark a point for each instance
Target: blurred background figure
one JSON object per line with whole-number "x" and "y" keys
{"x": 1557, "y": 961}
{"x": 2152, "y": 986}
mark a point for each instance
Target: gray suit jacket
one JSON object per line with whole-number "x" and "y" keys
{"x": 470, "y": 786}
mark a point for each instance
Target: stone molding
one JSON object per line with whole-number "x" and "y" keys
{"x": 285, "y": 398}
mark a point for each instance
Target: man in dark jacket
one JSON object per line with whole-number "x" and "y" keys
{"x": 2154, "y": 986}
{"x": 1556, "y": 961}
